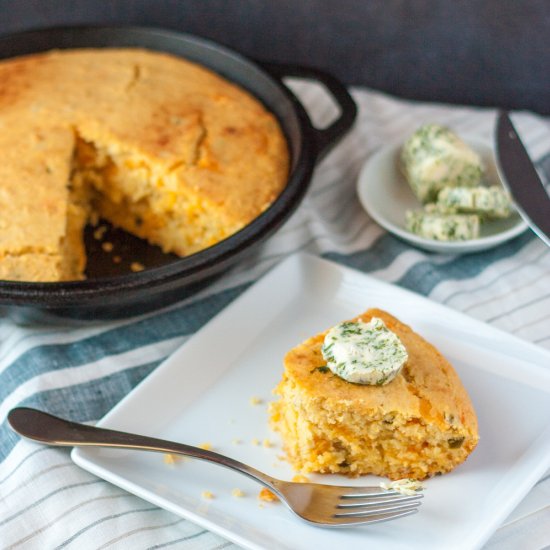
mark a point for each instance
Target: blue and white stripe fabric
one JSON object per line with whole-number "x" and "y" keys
{"x": 81, "y": 372}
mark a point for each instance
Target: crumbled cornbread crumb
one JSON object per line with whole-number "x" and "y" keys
{"x": 99, "y": 232}
{"x": 137, "y": 266}
{"x": 237, "y": 493}
{"x": 255, "y": 401}
{"x": 299, "y": 478}
{"x": 107, "y": 246}
{"x": 267, "y": 443}
{"x": 205, "y": 446}
{"x": 268, "y": 496}
{"x": 170, "y": 458}
{"x": 404, "y": 486}
{"x": 255, "y": 441}
{"x": 207, "y": 494}
{"x": 237, "y": 441}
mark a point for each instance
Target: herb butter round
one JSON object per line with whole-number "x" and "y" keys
{"x": 364, "y": 353}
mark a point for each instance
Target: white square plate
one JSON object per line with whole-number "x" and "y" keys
{"x": 202, "y": 393}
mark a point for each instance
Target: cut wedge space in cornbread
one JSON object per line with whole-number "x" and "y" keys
{"x": 420, "y": 424}
{"x": 157, "y": 145}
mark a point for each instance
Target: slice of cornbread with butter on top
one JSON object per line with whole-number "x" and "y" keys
{"x": 420, "y": 424}
{"x": 157, "y": 145}
{"x": 434, "y": 157}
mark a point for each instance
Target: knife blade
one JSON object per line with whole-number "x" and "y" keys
{"x": 520, "y": 177}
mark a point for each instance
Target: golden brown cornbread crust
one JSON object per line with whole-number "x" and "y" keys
{"x": 174, "y": 152}
{"x": 420, "y": 424}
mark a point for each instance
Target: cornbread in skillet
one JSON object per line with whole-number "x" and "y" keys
{"x": 41, "y": 219}
{"x": 157, "y": 145}
{"x": 420, "y": 424}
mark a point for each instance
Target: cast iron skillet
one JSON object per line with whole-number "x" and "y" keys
{"x": 113, "y": 290}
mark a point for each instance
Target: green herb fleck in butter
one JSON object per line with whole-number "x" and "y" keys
{"x": 364, "y": 353}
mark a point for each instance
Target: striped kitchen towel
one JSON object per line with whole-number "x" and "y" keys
{"x": 81, "y": 372}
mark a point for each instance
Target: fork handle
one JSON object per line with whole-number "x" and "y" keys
{"x": 52, "y": 430}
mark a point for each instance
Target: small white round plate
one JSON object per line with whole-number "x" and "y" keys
{"x": 386, "y": 196}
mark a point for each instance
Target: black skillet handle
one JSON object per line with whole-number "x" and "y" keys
{"x": 325, "y": 138}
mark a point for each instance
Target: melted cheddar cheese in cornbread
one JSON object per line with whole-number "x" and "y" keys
{"x": 157, "y": 145}
{"x": 420, "y": 424}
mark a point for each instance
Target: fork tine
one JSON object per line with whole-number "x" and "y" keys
{"x": 370, "y": 510}
{"x": 363, "y": 520}
{"x": 347, "y": 502}
{"x": 367, "y": 492}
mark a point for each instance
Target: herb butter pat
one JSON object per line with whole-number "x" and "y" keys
{"x": 434, "y": 157}
{"x": 489, "y": 202}
{"x": 364, "y": 353}
{"x": 431, "y": 224}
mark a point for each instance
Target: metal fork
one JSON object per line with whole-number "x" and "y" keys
{"x": 317, "y": 504}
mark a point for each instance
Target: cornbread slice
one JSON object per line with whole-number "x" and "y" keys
{"x": 419, "y": 425}
{"x": 42, "y": 217}
{"x": 157, "y": 145}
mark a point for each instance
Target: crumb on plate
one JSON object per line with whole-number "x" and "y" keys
{"x": 170, "y": 458}
{"x": 99, "y": 232}
{"x": 300, "y": 478}
{"x": 404, "y": 486}
{"x": 267, "y": 496}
